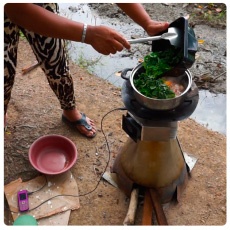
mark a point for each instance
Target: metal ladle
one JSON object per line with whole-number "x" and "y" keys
{"x": 163, "y": 36}
{"x": 173, "y": 35}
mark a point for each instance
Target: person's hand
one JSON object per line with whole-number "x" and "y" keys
{"x": 155, "y": 27}
{"x": 105, "y": 40}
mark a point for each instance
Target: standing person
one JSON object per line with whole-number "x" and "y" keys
{"x": 45, "y": 31}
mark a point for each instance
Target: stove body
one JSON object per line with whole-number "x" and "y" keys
{"x": 152, "y": 156}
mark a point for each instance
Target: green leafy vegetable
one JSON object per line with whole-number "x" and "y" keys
{"x": 156, "y": 64}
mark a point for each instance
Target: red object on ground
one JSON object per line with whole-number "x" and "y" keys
{"x": 52, "y": 154}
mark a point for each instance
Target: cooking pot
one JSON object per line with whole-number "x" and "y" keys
{"x": 184, "y": 78}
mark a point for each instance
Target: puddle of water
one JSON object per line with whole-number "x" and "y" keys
{"x": 211, "y": 108}
{"x": 211, "y": 111}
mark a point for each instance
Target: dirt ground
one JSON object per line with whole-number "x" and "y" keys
{"x": 34, "y": 111}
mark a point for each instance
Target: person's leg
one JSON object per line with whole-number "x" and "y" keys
{"x": 52, "y": 58}
{"x": 11, "y": 38}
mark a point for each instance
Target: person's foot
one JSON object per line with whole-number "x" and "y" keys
{"x": 79, "y": 121}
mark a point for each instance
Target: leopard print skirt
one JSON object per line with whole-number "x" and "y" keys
{"x": 50, "y": 54}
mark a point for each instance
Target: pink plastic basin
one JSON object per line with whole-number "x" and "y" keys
{"x": 52, "y": 154}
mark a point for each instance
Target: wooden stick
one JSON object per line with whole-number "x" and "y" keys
{"x": 161, "y": 218}
{"x": 147, "y": 209}
{"x": 130, "y": 217}
{"x": 28, "y": 69}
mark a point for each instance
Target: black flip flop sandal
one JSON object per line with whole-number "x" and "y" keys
{"x": 81, "y": 121}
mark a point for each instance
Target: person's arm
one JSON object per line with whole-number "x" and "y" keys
{"x": 41, "y": 21}
{"x": 139, "y": 15}
{"x": 136, "y": 12}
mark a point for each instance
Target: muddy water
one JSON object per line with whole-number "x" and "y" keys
{"x": 211, "y": 109}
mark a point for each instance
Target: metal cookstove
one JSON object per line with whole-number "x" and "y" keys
{"x": 152, "y": 156}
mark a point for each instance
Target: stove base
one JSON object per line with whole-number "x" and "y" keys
{"x": 153, "y": 164}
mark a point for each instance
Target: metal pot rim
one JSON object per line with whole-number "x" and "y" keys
{"x": 156, "y": 99}
{"x": 159, "y": 104}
